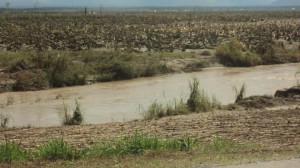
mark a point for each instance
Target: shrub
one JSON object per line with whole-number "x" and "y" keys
{"x": 150, "y": 70}
{"x": 233, "y": 53}
{"x": 205, "y": 53}
{"x": 122, "y": 71}
{"x": 195, "y": 66}
{"x": 4, "y": 119}
{"x": 117, "y": 71}
{"x": 57, "y": 76}
{"x": 64, "y": 73}
{"x": 76, "y": 119}
{"x": 154, "y": 67}
{"x": 31, "y": 80}
{"x": 58, "y": 149}
{"x": 12, "y": 152}
{"x": 239, "y": 95}
{"x": 198, "y": 99}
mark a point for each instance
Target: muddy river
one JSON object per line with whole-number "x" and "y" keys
{"x": 123, "y": 100}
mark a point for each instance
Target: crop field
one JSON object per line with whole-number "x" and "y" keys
{"x": 150, "y": 31}
{"x": 44, "y": 50}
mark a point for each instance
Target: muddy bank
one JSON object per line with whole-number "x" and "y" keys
{"x": 275, "y": 129}
{"x": 53, "y": 69}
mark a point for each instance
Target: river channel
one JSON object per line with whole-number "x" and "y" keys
{"x": 124, "y": 100}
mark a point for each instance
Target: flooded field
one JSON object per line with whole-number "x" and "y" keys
{"x": 123, "y": 101}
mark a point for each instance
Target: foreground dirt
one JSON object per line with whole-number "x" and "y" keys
{"x": 274, "y": 129}
{"x": 290, "y": 163}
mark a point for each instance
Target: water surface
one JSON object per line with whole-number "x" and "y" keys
{"x": 121, "y": 101}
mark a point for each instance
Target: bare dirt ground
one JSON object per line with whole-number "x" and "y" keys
{"x": 274, "y": 129}
{"x": 290, "y": 163}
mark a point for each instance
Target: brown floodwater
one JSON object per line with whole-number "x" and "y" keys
{"x": 123, "y": 100}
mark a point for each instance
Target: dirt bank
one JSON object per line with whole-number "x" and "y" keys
{"x": 279, "y": 129}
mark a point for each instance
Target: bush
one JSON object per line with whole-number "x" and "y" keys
{"x": 233, "y": 53}
{"x": 58, "y": 149}
{"x": 150, "y": 70}
{"x": 116, "y": 71}
{"x": 198, "y": 100}
{"x": 76, "y": 119}
{"x": 4, "y": 119}
{"x": 64, "y": 73}
{"x": 239, "y": 95}
{"x": 31, "y": 80}
{"x": 205, "y": 53}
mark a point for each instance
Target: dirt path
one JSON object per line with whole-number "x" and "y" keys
{"x": 290, "y": 163}
{"x": 273, "y": 129}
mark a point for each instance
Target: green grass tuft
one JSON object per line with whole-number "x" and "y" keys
{"x": 58, "y": 149}
{"x": 138, "y": 143}
{"x": 198, "y": 100}
{"x": 10, "y": 152}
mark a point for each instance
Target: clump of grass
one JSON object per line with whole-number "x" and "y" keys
{"x": 154, "y": 111}
{"x": 176, "y": 107}
{"x": 10, "y": 152}
{"x": 198, "y": 100}
{"x": 233, "y": 53}
{"x": 158, "y": 110}
{"x": 58, "y": 149}
{"x": 76, "y": 119}
{"x": 240, "y": 94}
{"x": 221, "y": 146}
{"x": 4, "y": 119}
{"x": 138, "y": 143}
{"x": 135, "y": 144}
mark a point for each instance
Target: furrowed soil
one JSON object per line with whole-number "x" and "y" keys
{"x": 273, "y": 129}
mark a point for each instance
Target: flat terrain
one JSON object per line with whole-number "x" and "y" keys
{"x": 291, "y": 163}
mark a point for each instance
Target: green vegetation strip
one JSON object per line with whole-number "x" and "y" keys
{"x": 198, "y": 101}
{"x": 135, "y": 144}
